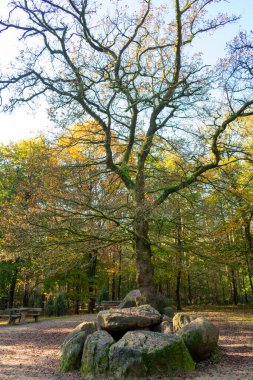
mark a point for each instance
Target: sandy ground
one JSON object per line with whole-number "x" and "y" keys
{"x": 31, "y": 351}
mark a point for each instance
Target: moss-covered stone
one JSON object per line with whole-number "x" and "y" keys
{"x": 181, "y": 319}
{"x": 201, "y": 338}
{"x": 72, "y": 347}
{"x": 129, "y": 318}
{"x": 95, "y": 359}
{"x": 140, "y": 354}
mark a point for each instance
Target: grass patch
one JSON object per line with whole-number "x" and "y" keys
{"x": 232, "y": 312}
{"x": 4, "y": 322}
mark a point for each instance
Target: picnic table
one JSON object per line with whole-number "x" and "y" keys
{"x": 105, "y": 305}
{"x": 19, "y": 314}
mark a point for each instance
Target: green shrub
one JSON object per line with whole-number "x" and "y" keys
{"x": 60, "y": 306}
{"x": 50, "y": 308}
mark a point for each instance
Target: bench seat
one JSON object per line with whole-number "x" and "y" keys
{"x": 11, "y": 315}
{"x": 105, "y": 305}
{"x": 20, "y": 314}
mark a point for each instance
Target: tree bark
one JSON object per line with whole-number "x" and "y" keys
{"x": 179, "y": 256}
{"x": 113, "y": 285}
{"x": 178, "y": 296}
{"x": 248, "y": 250}
{"x": 119, "y": 276}
{"x": 77, "y": 291}
{"x": 234, "y": 287}
{"x": 91, "y": 280}
{"x": 13, "y": 284}
{"x": 26, "y": 292}
{"x": 189, "y": 289}
{"x": 144, "y": 268}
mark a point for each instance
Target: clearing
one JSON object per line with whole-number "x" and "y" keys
{"x": 30, "y": 351}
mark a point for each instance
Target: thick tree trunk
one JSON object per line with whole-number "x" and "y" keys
{"x": 144, "y": 268}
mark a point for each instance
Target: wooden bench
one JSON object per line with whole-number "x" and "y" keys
{"x": 12, "y": 315}
{"x": 105, "y": 305}
{"x": 30, "y": 312}
{"x": 20, "y": 314}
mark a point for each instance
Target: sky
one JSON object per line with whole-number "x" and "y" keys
{"x": 24, "y": 122}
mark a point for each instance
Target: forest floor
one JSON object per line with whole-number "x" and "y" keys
{"x": 31, "y": 351}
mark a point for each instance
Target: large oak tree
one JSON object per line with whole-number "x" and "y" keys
{"x": 135, "y": 77}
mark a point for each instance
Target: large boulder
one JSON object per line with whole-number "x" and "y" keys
{"x": 201, "y": 338}
{"x": 180, "y": 320}
{"x": 95, "y": 359}
{"x": 131, "y": 299}
{"x": 134, "y": 298}
{"x": 72, "y": 347}
{"x": 128, "y": 319}
{"x": 140, "y": 354}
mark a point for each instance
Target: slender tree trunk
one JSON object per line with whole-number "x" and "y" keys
{"x": 189, "y": 288}
{"x": 248, "y": 250}
{"x": 77, "y": 291}
{"x": 26, "y": 292}
{"x": 42, "y": 301}
{"x": 91, "y": 280}
{"x": 179, "y": 257}
{"x": 249, "y": 275}
{"x": 77, "y": 304}
{"x": 234, "y": 287}
{"x": 245, "y": 291}
{"x": 119, "y": 275}
{"x": 13, "y": 285}
{"x": 178, "y": 295}
{"x": 113, "y": 278}
{"x": 168, "y": 293}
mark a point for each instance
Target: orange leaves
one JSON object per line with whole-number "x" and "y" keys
{"x": 82, "y": 142}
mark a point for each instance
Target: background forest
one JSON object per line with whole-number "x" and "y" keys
{"x": 149, "y": 183}
{"x": 66, "y": 226}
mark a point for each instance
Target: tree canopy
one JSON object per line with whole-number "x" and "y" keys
{"x": 162, "y": 118}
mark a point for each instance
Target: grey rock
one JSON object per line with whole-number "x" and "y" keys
{"x": 134, "y": 298}
{"x": 201, "y": 338}
{"x": 164, "y": 327}
{"x": 180, "y": 320}
{"x": 146, "y": 353}
{"x": 72, "y": 347}
{"x": 131, "y": 299}
{"x": 95, "y": 359}
{"x": 128, "y": 319}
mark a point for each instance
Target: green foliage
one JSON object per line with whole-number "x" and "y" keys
{"x": 49, "y": 308}
{"x": 60, "y": 306}
{"x": 104, "y": 294}
{"x": 56, "y": 305}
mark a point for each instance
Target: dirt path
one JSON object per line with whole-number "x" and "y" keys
{"x": 30, "y": 351}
